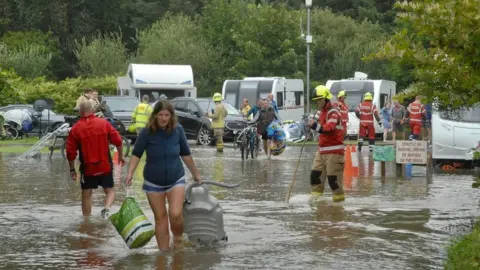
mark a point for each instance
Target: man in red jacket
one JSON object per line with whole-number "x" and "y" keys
{"x": 366, "y": 112}
{"x": 329, "y": 160}
{"x": 91, "y": 137}
{"x": 416, "y": 114}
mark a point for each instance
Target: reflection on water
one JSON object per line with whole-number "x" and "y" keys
{"x": 385, "y": 223}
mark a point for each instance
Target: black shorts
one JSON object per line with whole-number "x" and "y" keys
{"x": 92, "y": 182}
{"x": 265, "y": 136}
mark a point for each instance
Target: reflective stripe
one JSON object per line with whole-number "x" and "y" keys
{"x": 332, "y": 121}
{"x": 366, "y": 121}
{"x": 330, "y": 148}
{"x": 415, "y": 120}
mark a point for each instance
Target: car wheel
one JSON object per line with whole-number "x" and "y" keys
{"x": 204, "y": 137}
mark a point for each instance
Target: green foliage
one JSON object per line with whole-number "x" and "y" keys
{"x": 177, "y": 39}
{"x": 104, "y": 55}
{"x": 440, "y": 39}
{"x": 464, "y": 253}
{"x": 64, "y": 93}
{"x": 28, "y": 61}
{"x": 8, "y": 94}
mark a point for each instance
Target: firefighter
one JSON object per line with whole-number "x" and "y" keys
{"x": 329, "y": 161}
{"x": 416, "y": 113}
{"x": 141, "y": 114}
{"x": 343, "y": 108}
{"x": 218, "y": 120}
{"x": 366, "y": 111}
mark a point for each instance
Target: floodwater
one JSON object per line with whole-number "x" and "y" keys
{"x": 385, "y": 223}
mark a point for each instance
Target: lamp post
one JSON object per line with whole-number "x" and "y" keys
{"x": 308, "y": 4}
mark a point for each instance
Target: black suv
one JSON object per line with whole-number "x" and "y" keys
{"x": 191, "y": 115}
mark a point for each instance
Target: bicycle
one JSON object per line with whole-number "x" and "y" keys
{"x": 248, "y": 141}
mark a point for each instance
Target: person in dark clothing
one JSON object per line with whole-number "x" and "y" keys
{"x": 166, "y": 146}
{"x": 264, "y": 118}
{"x": 91, "y": 137}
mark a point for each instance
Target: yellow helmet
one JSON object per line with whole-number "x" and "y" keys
{"x": 320, "y": 92}
{"x": 367, "y": 96}
{"x": 217, "y": 97}
{"x": 342, "y": 94}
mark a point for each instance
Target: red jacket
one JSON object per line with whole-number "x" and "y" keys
{"x": 367, "y": 110}
{"x": 330, "y": 141}
{"x": 91, "y": 136}
{"x": 416, "y": 111}
{"x": 343, "y": 108}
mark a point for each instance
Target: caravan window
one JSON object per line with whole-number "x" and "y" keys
{"x": 154, "y": 94}
{"x": 383, "y": 100}
{"x": 298, "y": 98}
{"x": 231, "y": 97}
{"x": 279, "y": 99}
{"x": 248, "y": 90}
{"x": 355, "y": 91}
{"x": 470, "y": 115}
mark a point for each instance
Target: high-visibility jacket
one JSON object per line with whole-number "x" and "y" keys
{"x": 330, "y": 141}
{"x": 218, "y": 116}
{"x": 141, "y": 114}
{"x": 366, "y": 111}
{"x": 416, "y": 111}
{"x": 245, "y": 111}
{"x": 343, "y": 108}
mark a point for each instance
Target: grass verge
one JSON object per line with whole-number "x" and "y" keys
{"x": 19, "y": 149}
{"x": 465, "y": 253}
{"x": 30, "y": 140}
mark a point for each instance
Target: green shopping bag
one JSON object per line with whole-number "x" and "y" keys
{"x": 130, "y": 222}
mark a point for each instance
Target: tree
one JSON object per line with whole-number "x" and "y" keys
{"x": 177, "y": 40}
{"x": 440, "y": 39}
{"x": 104, "y": 55}
{"x": 28, "y": 61}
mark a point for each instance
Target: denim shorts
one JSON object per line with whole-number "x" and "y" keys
{"x": 151, "y": 188}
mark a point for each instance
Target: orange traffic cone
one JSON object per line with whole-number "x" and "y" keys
{"x": 347, "y": 171}
{"x": 355, "y": 169}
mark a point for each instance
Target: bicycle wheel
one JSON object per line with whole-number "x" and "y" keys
{"x": 235, "y": 138}
{"x": 243, "y": 145}
{"x": 126, "y": 146}
{"x": 257, "y": 145}
{"x": 13, "y": 133}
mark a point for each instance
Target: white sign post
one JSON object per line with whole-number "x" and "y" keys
{"x": 414, "y": 152}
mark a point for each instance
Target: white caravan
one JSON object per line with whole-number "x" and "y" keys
{"x": 288, "y": 93}
{"x": 155, "y": 80}
{"x": 382, "y": 91}
{"x": 455, "y": 135}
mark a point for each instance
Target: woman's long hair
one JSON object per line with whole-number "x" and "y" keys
{"x": 152, "y": 120}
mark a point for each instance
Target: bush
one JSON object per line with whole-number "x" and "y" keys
{"x": 64, "y": 93}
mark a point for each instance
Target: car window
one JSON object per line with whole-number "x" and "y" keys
{"x": 192, "y": 108}
{"x": 121, "y": 104}
{"x": 181, "y": 106}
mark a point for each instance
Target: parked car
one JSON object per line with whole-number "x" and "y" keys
{"x": 49, "y": 120}
{"x": 122, "y": 108}
{"x": 191, "y": 115}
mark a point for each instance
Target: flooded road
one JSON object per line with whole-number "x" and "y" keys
{"x": 383, "y": 224}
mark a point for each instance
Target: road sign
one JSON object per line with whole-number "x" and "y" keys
{"x": 414, "y": 152}
{"x": 383, "y": 153}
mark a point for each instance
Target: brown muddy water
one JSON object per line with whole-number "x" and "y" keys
{"x": 385, "y": 223}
